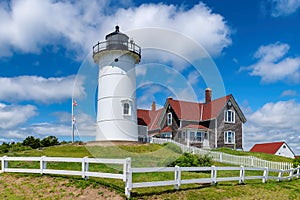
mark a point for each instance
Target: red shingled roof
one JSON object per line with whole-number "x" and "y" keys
{"x": 195, "y": 126}
{"x": 189, "y": 111}
{"x": 149, "y": 117}
{"x": 167, "y": 129}
{"x": 270, "y": 148}
{"x": 193, "y": 111}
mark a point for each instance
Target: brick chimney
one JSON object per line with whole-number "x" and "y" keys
{"x": 153, "y": 106}
{"x": 208, "y": 95}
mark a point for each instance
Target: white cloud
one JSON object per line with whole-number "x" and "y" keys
{"x": 284, "y": 7}
{"x": 32, "y": 24}
{"x": 274, "y": 65}
{"x": 62, "y": 128}
{"x": 85, "y": 124}
{"x": 193, "y": 77}
{"x": 14, "y": 115}
{"x": 140, "y": 71}
{"x": 288, "y": 93}
{"x": 277, "y": 121}
{"x": 40, "y": 89}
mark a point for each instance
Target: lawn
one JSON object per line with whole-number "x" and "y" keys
{"x": 146, "y": 155}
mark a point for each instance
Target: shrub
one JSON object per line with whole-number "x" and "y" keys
{"x": 173, "y": 147}
{"x": 192, "y": 160}
{"x": 296, "y": 162}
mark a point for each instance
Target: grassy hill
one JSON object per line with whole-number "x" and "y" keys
{"x": 147, "y": 155}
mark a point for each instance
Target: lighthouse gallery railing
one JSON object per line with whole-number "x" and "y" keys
{"x": 117, "y": 45}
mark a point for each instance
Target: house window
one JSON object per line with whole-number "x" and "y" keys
{"x": 166, "y": 135}
{"x": 229, "y": 116}
{"x": 197, "y": 136}
{"x": 183, "y": 136}
{"x": 169, "y": 119}
{"x": 229, "y": 137}
{"x": 192, "y": 136}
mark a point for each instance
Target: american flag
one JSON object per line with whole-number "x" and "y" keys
{"x": 74, "y": 103}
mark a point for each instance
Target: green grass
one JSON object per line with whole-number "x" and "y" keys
{"x": 153, "y": 155}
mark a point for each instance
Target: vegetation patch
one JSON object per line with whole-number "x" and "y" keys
{"x": 192, "y": 160}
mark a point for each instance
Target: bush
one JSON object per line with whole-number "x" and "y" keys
{"x": 173, "y": 147}
{"x": 192, "y": 160}
{"x": 296, "y": 162}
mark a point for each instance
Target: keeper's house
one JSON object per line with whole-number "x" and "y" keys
{"x": 212, "y": 124}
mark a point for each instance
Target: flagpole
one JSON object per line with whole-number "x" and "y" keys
{"x": 73, "y": 121}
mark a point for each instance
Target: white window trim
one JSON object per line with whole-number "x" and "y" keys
{"x": 226, "y": 116}
{"x": 129, "y": 102}
{"x": 226, "y": 137}
{"x": 194, "y": 140}
{"x": 169, "y": 118}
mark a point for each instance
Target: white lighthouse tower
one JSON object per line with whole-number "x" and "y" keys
{"x": 117, "y": 112}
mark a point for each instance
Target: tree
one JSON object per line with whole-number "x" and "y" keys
{"x": 4, "y": 148}
{"x": 32, "y": 142}
{"x": 49, "y": 141}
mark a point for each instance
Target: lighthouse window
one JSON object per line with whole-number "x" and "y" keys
{"x": 126, "y": 109}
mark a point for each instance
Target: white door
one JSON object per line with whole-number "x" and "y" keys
{"x": 206, "y": 140}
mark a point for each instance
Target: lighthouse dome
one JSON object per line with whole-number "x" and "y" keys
{"x": 117, "y": 40}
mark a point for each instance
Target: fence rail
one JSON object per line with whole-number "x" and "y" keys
{"x": 85, "y": 173}
{"x": 178, "y": 180}
{"x": 128, "y": 171}
{"x": 227, "y": 158}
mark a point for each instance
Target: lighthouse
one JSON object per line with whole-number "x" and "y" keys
{"x": 116, "y": 102}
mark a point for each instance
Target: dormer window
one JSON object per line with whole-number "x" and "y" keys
{"x": 169, "y": 118}
{"x": 229, "y": 116}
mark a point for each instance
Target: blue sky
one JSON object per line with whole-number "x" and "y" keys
{"x": 45, "y": 48}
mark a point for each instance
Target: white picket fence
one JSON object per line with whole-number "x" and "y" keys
{"x": 213, "y": 179}
{"x": 249, "y": 161}
{"x": 85, "y": 173}
{"x": 128, "y": 171}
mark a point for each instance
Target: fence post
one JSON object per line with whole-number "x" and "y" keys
{"x": 4, "y": 163}
{"x": 128, "y": 183}
{"x": 177, "y": 177}
{"x": 291, "y": 174}
{"x": 265, "y": 176}
{"x": 298, "y": 171}
{"x": 252, "y": 161}
{"x": 85, "y": 167}
{"x": 242, "y": 175}
{"x": 213, "y": 175}
{"x": 280, "y": 176}
{"x": 221, "y": 157}
{"x": 43, "y": 164}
